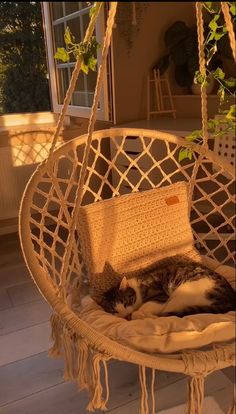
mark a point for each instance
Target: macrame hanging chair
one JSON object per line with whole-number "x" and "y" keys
{"x": 69, "y": 228}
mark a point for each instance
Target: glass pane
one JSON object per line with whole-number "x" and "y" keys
{"x": 91, "y": 81}
{"x": 71, "y": 7}
{"x": 85, "y": 22}
{"x": 79, "y": 86}
{"x": 57, "y": 10}
{"x": 79, "y": 96}
{"x": 79, "y": 99}
{"x": 90, "y": 99}
{"x": 74, "y": 25}
{"x": 84, "y": 4}
{"x": 59, "y": 35}
{"x": 62, "y": 84}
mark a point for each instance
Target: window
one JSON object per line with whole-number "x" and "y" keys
{"x": 75, "y": 15}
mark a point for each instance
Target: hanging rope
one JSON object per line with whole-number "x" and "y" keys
{"x": 134, "y": 18}
{"x": 202, "y": 68}
{"x": 79, "y": 192}
{"x": 230, "y": 28}
{"x": 74, "y": 77}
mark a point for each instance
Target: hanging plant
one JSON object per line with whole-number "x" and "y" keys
{"x": 129, "y": 19}
{"x": 217, "y": 36}
{"x": 86, "y": 51}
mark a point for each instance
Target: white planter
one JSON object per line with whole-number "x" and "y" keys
{"x": 196, "y": 88}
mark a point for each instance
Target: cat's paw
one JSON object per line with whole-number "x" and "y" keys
{"x": 138, "y": 315}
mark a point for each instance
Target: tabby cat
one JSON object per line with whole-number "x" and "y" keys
{"x": 173, "y": 286}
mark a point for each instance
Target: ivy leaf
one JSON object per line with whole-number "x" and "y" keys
{"x": 211, "y": 53}
{"x": 185, "y": 153}
{"x": 219, "y": 74}
{"x": 62, "y": 54}
{"x": 230, "y": 82}
{"x": 208, "y": 5}
{"x": 231, "y": 115}
{"x": 213, "y": 25}
{"x": 233, "y": 8}
{"x": 221, "y": 93}
{"x": 195, "y": 135}
{"x": 212, "y": 124}
{"x": 84, "y": 68}
{"x": 92, "y": 62}
{"x": 218, "y": 36}
{"x": 68, "y": 37}
{"x": 93, "y": 9}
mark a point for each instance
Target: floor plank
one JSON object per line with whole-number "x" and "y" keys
{"x": 29, "y": 376}
{"x": 230, "y": 373}
{"x": 24, "y": 343}
{"x": 24, "y": 293}
{"x": 175, "y": 394}
{"x": 13, "y": 276}
{"x": 65, "y": 399}
{"x": 61, "y": 399}
{"x": 24, "y": 316}
{"x": 5, "y": 301}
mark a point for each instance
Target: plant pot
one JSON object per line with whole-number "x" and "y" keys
{"x": 196, "y": 88}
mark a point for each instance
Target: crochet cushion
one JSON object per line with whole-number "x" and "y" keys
{"x": 132, "y": 231}
{"x": 164, "y": 334}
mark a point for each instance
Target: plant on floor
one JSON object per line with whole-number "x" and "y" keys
{"x": 216, "y": 39}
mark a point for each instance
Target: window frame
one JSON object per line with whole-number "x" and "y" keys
{"x": 73, "y": 110}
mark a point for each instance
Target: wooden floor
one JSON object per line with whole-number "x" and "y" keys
{"x": 31, "y": 383}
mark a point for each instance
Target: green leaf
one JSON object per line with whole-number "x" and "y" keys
{"x": 212, "y": 36}
{"x": 233, "y": 8}
{"x": 185, "y": 153}
{"x": 62, "y": 54}
{"x": 211, "y": 53}
{"x": 93, "y": 9}
{"x": 231, "y": 115}
{"x": 213, "y": 25}
{"x": 230, "y": 82}
{"x": 212, "y": 124}
{"x": 221, "y": 93}
{"x": 195, "y": 135}
{"x": 68, "y": 37}
{"x": 92, "y": 63}
{"x": 219, "y": 74}
{"x": 208, "y": 5}
{"x": 84, "y": 68}
{"x": 218, "y": 36}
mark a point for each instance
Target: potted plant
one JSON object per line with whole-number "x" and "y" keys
{"x": 182, "y": 44}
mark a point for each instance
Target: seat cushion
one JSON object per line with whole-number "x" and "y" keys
{"x": 164, "y": 334}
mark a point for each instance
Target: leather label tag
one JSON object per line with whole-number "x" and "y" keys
{"x": 172, "y": 200}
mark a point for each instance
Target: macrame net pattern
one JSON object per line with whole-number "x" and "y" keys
{"x": 114, "y": 170}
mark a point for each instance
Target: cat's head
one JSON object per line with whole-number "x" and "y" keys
{"x": 120, "y": 300}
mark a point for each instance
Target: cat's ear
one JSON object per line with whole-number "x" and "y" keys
{"x": 124, "y": 283}
{"x": 108, "y": 269}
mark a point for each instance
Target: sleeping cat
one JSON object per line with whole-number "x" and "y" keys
{"x": 173, "y": 286}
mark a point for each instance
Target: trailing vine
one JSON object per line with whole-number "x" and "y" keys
{"x": 86, "y": 51}
{"x": 227, "y": 86}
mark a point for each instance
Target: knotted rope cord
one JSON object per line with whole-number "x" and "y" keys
{"x": 74, "y": 77}
{"x": 230, "y": 28}
{"x": 134, "y": 18}
{"x": 79, "y": 192}
{"x": 202, "y": 68}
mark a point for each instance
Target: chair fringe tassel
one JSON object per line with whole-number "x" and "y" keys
{"x": 89, "y": 368}
{"x": 195, "y": 395}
